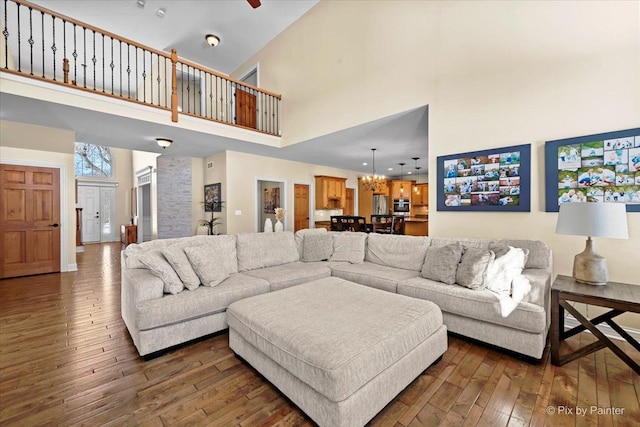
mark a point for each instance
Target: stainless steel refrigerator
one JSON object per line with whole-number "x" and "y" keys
{"x": 380, "y": 205}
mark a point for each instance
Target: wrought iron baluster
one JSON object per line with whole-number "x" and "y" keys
{"x": 30, "y": 41}
{"x": 103, "y": 82}
{"x": 182, "y": 85}
{"x": 128, "y": 71}
{"x": 53, "y": 46}
{"x": 42, "y": 27}
{"x": 5, "y": 33}
{"x": 159, "y": 79}
{"x": 75, "y": 57}
{"x": 151, "y": 81}
{"x": 84, "y": 56}
{"x": 112, "y": 65}
{"x": 19, "y": 55}
{"x": 94, "y": 59}
{"x": 120, "y": 65}
{"x": 65, "y": 60}
{"x": 144, "y": 76}
{"x": 137, "y": 91}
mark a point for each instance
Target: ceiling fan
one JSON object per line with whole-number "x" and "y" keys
{"x": 254, "y": 3}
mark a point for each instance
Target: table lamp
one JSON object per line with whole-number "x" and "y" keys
{"x": 592, "y": 220}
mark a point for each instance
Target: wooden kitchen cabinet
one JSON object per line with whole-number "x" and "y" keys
{"x": 422, "y": 198}
{"x": 330, "y": 192}
{"x": 395, "y": 187}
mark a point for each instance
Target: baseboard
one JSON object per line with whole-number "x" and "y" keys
{"x": 71, "y": 267}
{"x": 570, "y": 322}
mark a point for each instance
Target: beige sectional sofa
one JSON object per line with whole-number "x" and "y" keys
{"x": 256, "y": 263}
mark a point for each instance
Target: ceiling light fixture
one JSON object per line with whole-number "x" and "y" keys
{"x": 161, "y": 12}
{"x": 401, "y": 177}
{"x": 140, "y": 3}
{"x": 373, "y": 182}
{"x": 164, "y": 142}
{"x": 212, "y": 40}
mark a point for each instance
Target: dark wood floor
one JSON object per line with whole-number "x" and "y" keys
{"x": 67, "y": 359}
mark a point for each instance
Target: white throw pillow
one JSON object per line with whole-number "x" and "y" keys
{"x": 157, "y": 264}
{"x": 207, "y": 265}
{"x": 180, "y": 263}
{"x": 505, "y": 268}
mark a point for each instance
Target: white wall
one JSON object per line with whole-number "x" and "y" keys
{"x": 242, "y": 172}
{"x": 493, "y": 73}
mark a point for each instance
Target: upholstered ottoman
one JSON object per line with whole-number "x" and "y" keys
{"x": 339, "y": 350}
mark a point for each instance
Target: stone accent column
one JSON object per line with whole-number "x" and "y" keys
{"x": 175, "y": 200}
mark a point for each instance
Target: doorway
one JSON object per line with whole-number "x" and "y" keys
{"x": 30, "y": 225}
{"x": 270, "y": 195}
{"x": 300, "y": 206}
{"x": 246, "y": 100}
{"x": 98, "y": 203}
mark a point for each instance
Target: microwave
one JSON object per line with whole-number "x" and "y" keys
{"x": 401, "y": 205}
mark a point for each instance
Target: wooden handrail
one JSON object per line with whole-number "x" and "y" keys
{"x": 91, "y": 27}
{"x": 226, "y": 77}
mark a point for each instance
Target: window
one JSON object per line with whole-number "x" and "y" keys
{"x": 93, "y": 161}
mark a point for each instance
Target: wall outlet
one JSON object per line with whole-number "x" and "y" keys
{"x": 238, "y": 212}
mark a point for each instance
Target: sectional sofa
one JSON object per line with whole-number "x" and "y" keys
{"x": 176, "y": 290}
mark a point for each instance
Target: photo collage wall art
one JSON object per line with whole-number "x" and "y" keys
{"x": 599, "y": 170}
{"x": 486, "y": 180}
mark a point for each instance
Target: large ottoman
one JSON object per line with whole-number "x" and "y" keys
{"x": 339, "y": 350}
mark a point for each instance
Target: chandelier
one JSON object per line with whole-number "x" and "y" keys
{"x": 373, "y": 182}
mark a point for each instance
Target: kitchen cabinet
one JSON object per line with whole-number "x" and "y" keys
{"x": 422, "y": 197}
{"x": 330, "y": 192}
{"x": 395, "y": 187}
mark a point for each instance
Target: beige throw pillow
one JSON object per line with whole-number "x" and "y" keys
{"x": 207, "y": 265}
{"x": 180, "y": 263}
{"x": 348, "y": 246}
{"x": 157, "y": 264}
{"x": 472, "y": 271}
{"x": 441, "y": 263}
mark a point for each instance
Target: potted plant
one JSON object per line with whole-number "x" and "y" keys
{"x": 213, "y": 207}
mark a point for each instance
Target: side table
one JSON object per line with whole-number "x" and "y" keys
{"x": 619, "y": 297}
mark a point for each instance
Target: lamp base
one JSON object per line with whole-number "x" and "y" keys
{"x": 589, "y": 267}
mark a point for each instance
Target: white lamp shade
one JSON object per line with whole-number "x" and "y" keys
{"x": 593, "y": 219}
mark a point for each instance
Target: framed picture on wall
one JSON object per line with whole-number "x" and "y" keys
{"x": 271, "y": 199}
{"x": 498, "y": 179}
{"x": 212, "y": 198}
{"x": 603, "y": 168}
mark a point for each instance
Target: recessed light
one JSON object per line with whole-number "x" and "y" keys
{"x": 408, "y": 173}
{"x": 390, "y": 169}
{"x": 161, "y": 12}
{"x": 365, "y": 164}
{"x": 212, "y": 40}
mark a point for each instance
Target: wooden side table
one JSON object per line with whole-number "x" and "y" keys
{"x": 619, "y": 297}
{"x": 128, "y": 234}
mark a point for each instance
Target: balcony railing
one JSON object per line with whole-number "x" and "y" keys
{"x": 44, "y": 45}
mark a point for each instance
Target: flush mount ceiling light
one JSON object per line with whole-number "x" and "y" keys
{"x": 212, "y": 40}
{"x": 140, "y": 3}
{"x": 164, "y": 142}
{"x": 161, "y": 12}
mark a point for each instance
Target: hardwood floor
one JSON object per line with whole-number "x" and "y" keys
{"x": 66, "y": 359}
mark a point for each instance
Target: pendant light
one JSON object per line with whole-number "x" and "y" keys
{"x": 402, "y": 177}
{"x": 417, "y": 168}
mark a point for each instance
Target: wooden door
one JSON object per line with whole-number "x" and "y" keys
{"x": 29, "y": 220}
{"x": 300, "y": 207}
{"x": 245, "y": 109}
{"x": 349, "y": 207}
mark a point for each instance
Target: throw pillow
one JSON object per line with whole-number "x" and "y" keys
{"x": 441, "y": 263}
{"x": 472, "y": 271}
{"x": 180, "y": 263}
{"x": 348, "y": 246}
{"x": 505, "y": 268}
{"x": 207, "y": 265}
{"x": 157, "y": 264}
{"x": 317, "y": 247}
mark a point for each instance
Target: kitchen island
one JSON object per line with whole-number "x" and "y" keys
{"x": 416, "y": 226}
